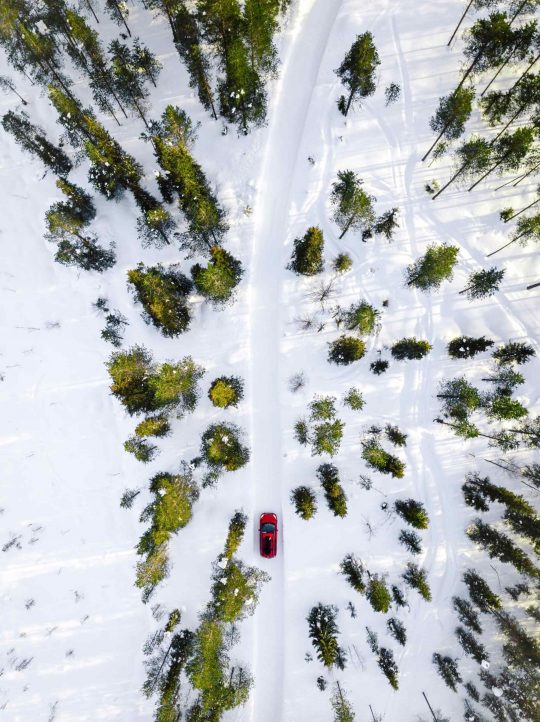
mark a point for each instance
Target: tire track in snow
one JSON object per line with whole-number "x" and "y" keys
{"x": 288, "y": 116}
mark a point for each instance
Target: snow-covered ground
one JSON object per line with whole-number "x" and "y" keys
{"x": 66, "y": 583}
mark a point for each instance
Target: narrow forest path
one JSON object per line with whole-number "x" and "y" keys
{"x": 288, "y": 113}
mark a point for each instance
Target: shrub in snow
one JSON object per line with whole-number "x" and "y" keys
{"x": 297, "y": 381}
{"x": 326, "y": 437}
{"x": 333, "y": 491}
{"x": 163, "y": 295}
{"x": 323, "y": 632}
{"x": 153, "y": 426}
{"x": 361, "y": 317}
{"x": 357, "y": 71}
{"x": 323, "y": 408}
{"x": 411, "y": 349}
{"x": 397, "y": 630}
{"x": 345, "y": 350}
{"x": 448, "y": 670}
{"x": 468, "y": 346}
{"x": 413, "y": 512}
{"x": 434, "y": 267}
{"x": 377, "y": 458}
{"x": 221, "y": 447}
{"x": 342, "y": 262}
{"x": 301, "y": 432}
{"x": 217, "y": 280}
{"x": 395, "y": 436}
{"x": 378, "y": 367}
{"x": 513, "y": 352}
{"x": 411, "y": 541}
{"x": 226, "y": 391}
{"x": 378, "y": 594}
{"x": 416, "y": 578}
{"x": 392, "y": 93}
{"x": 321, "y": 683}
{"x": 353, "y": 570}
{"x": 142, "y": 450}
{"x": 304, "y": 500}
{"x": 237, "y": 528}
{"x": 307, "y": 256}
{"x": 388, "y": 666}
{"x": 354, "y": 399}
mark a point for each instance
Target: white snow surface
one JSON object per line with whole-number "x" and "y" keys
{"x": 67, "y": 590}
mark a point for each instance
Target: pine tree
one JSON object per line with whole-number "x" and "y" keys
{"x": 307, "y": 256}
{"x": 217, "y": 281}
{"x": 32, "y": 138}
{"x": 416, "y": 578}
{"x": 353, "y": 207}
{"x": 155, "y": 223}
{"x": 509, "y": 151}
{"x": 411, "y": 349}
{"x": 411, "y": 541}
{"x": 474, "y": 156}
{"x": 397, "y": 630}
{"x": 222, "y": 449}
{"x": 354, "y": 571}
{"x": 413, "y": 512}
{"x": 388, "y": 666}
{"x": 128, "y": 80}
{"x": 527, "y": 229}
{"x": 386, "y": 224}
{"x": 362, "y": 317}
{"x": 304, "y": 501}
{"x": 118, "y": 11}
{"x": 468, "y": 346}
{"x": 343, "y": 711}
{"x": 237, "y": 528}
{"x": 450, "y": 117}
{"x": 354, "y": 399}
{"x": 505, "y": 380}
{"x": 500, "y": 546}
{"x": 235, "y": 591}
{"x": 448, "y": 670}
{"x": 483, "y": 284}
{"x": 163, "y": 295}
{"x": 377, "y": 458}
{"x": 513, "y": 352}
{"x": 501, "y": 407}
{"x": 336, "y": 499}
{"x": 7, "y": 84}
{"x": 323, "y": 633}
{"x": 157, "y": 425}
{"x": 466, "y": 614}
{"x": 345, "y": 350}
{"x": 260, "y": 25}
{"x": 226, "y": 391}
{"x": 395, "y": 436}
{"x": 471, "y": 645}
{"x": 378, "y": 595}
{"x": 434, "y": 267}
{"x": 357, "y": 71}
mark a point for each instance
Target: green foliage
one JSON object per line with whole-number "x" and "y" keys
{"x": 385, "y": 224}
{"x": 411, "y": 541}
{"x": 378, "y": 367}
{"x": 326, "y": 437}
{"x": 217, "y": 281}
{"x": 448, "y": 670}
{"x": 323, "y": 408}
{"x": 459, "y": 398}
{"x": 335, "y": 496}
{"x": 410, "y": 349}
{"x": 226, "y": 391}
{"x": 342, "y": 262}
{"x": 388, "y": 666}
{"x": 307, "y": 256}
{"x": 362, "y": 318}
{"x": 141, "y": 449}
{"x": 354, "y": 399}
{"x": 357, "y": 71}
{"x": 413, "y": 512}
{"x": 395, "y": 436}
{"x": 434, "y": 267}
{"x": 237, "y": 528}
{"x": 153, "y": 426}
{"x": 345, "y": 350}
{"x": 353, "y": 570}
{"x": 513, "y": 352}
{"x": 221, "y": 447}
{"x": 343, "y": 711}
{"x": 377, "y": 458}
{"x": 152, "y": 570}
{"x": 353, "y": 207}
{"x": 378, "y": 594}
{"x": 235, "y": 590}
{"x": 480, "y": 593}
{"x": 171, "y": 508}
{"x": 301, "y": 432}
{"x": 468, "y": 346}
{"x": 397, "y": 630}
{"x": 304, "y": 500}
{"x": 501, "y": 407}
{"x": 453, "y": 112}
{"x": 323, "y": 633}
{"x": 500, "y": 546}
{"x": 466, "y": 614}
{"x": 143, "y": 386}
{"x": 483, "y": 284}
{"x": 163, "y": 295}
{"x": 416, "y": 578}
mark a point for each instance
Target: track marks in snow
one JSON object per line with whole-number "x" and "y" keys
{"x": 288, "y": 115}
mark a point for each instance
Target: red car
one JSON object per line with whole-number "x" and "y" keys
{"x": 268, "y": 533}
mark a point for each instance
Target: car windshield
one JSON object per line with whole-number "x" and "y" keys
{"x": 268, "y": 528}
